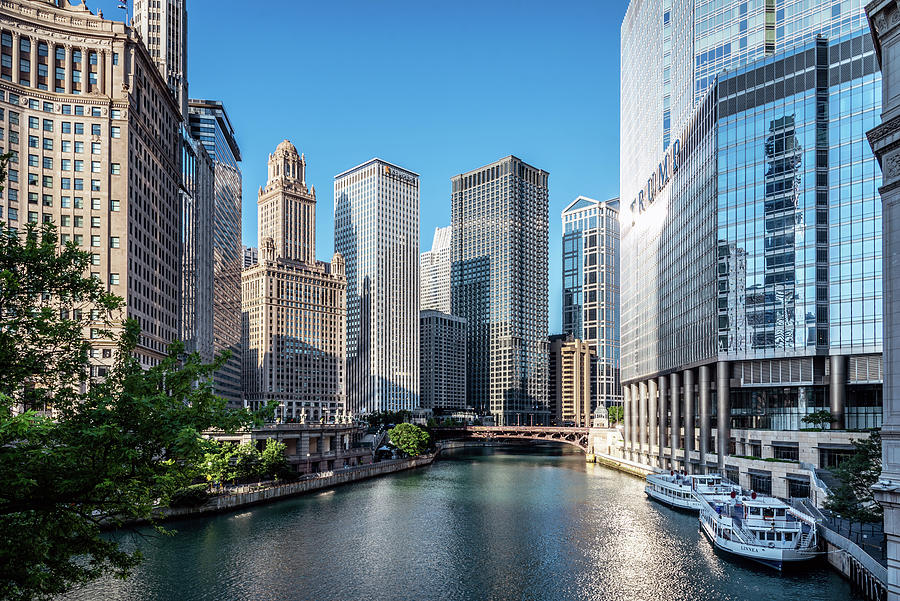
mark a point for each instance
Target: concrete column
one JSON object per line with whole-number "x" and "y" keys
{"x": 642, "y": 420}
{"x": 101, "y": 72}
{"x": 885, "y": 26}
{"x": 688, "y": 418}
{"x": 16, "y": 41}
{"x": 653, "y": 415}
{"x": 68, "y": 66}
{"x": 626, "y": 406}
{"x": 723, "y": 419}
{"x": 32, "y": 62}
{"x": 705, "y": 416}
{"x": 837, "y": 390}
{"x": 675, "y": 432}
{"x": 635, "y": 421}
{"x": 663, "y": 420}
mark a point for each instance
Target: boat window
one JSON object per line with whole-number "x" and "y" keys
{"x": 768, "y": 512}
{"x": 788, "y": 536}
{"x": 779, "y": 513}
{"x": 754, "y": 511}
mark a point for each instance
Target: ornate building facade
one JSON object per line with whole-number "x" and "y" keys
{"x": 94, "y": 135}
{"x": 293, "y": 307}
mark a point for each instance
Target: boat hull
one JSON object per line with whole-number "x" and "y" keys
{"x": 684, "y": 504}
{"x": 774, "y": 557}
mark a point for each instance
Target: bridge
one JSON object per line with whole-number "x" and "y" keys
{"x": 574, "y": 436}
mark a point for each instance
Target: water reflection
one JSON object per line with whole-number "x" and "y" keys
{"x": 499, "y": 524}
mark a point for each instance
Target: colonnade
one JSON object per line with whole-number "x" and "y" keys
{"x": 663, "y": 416}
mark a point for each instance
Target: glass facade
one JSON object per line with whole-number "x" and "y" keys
{"x": 209, "y": 124}
{"x": 590, "y": 289}
{"x": 499, "y": 278}
{"x": 755, "y": 248}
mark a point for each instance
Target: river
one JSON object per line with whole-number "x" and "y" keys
{"x": 503, "y": 523}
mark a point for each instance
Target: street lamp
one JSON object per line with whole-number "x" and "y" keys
{"x": 307, "y": 463}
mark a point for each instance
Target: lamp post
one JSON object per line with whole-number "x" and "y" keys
{"x": 307, "y": 462}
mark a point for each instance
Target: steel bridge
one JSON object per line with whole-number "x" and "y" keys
{"x": 574, "y": 436}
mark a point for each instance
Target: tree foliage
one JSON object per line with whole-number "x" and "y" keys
{"x": 854, "y": 499}
{"x": 226, "y": 463}
{"x": 615, "y": 414}
{"x": 387, "y": 418}
{"x": 409, "y": 438}
{"x": 819, "y": 419}
{"x": 110, "y": 450}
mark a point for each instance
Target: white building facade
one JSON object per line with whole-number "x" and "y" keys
{"x": 434, "y": 272}
{"x": 376, "y": 220}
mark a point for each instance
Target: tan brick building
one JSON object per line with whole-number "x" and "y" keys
{"x": 94, "y": 134}
{"x": 570, "y": 380}
{"x": 293, "y": 307}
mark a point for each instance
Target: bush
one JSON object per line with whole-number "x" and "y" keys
{"x": 194, "y": 495}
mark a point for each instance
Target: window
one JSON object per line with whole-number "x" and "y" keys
{"x": 13, "y": 115}
{"x": 48, "y": 106}
{"x": 48, "y": 144}
{"x": 33, "y": 197}
{"x": 95, "y": 240}
{"x": 13, "y": 175}
{"x": 67, "y": 109}
{"x": 66, "y": 145}
{"x": 48, "y": 162}
{"x": 79, "y": 221}
{"x": 65, "y": 221}
{"x": 115, "y": 132}
{"x": 95, "y": 147}
{"x": 65, "y": 202}
{"x": 32, "y": 179}
{"x": 95, "y": 129}
{"x": 95, "y": 259}
{"x": 79, "y": 147}
{"x": 13, "y": 214}
{"x": 79, "y": 128}
{"x": 78, "y": 239}
{"x": 115, "y": 58}
{"x": 114, "y": 279}
{"x": 33, "y": 123}
{"x": 32, "y": 217}
{"x": 32, "y": 160}
{"x": 48, "y": 124}
{"x": 114, "y": 242}
{"x": 95, "y": 185}
{"x": 64, "y": 239}
{"x": 66, "y": 127}
{"x": 116, "y": 168}
{"x": 95, "y": 332}
{"x": 95, "y": 166}
{"x": 116, "y": 114}
{"x": 79, "y": 110}
{"x": 65, "y": 164}
{"x": 65, "y": 183}
{"x": 79, "y": 183}
{"x": 95, "y": 222}
{"x": 33, "y": 141}
{"x": 113, "y": 205}
{"x": 95, "y": 204}
{"x": 95, "y": 111}
{"x": 48, "y": 200}
{"x": 79, "y": 165}
{"x": 79, "y": 202}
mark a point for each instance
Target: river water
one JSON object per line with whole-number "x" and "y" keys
{"x": 502, "y": 523}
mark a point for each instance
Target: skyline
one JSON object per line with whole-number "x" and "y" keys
{"x": 436, "y": 126}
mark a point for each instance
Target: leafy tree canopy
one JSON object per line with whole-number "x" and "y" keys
{"x": 409, "y": 438}
{"x": 819, "y": 419}
{"x": 101, "y": 451}
{"x": 854, "y": 499}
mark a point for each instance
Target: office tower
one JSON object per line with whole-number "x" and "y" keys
{"x": 209, "y": 124}
{"x": 94, "y": 136}
{"x": 162, "y": 24}
{"x": 197, "y": 217}
{"x": 251, "y": 256}
{"x": 751, "y": 242}
{"x": 443, "y": 361}
{"x": 499, "y": 286}
{"x": 434, "y": 272}
{"x": 293, "y": 307}
{"x": 590, "y": 280}
{"x": 376, "y": 229}
{"x": 569, "y": 380}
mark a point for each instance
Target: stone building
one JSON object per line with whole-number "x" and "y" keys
{"x": 94, "y": 134}
{"x": 442, "y": 373}
{"x": 569, "y": 382}
{"x": 293, "y": 306}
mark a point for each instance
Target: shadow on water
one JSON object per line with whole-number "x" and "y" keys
{"x": 505, "y": 523}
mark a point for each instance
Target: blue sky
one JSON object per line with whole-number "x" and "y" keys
{"x": 437, "y": 87}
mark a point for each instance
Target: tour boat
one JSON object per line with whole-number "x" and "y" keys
{"x": 757, "y": 527}
{"x": 677, "y": 489}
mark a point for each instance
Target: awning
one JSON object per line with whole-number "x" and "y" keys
{"x": 836, "y": 446}
{"x": 756, "y": 472}
{"x": 781, "y": 443}
{"x": 797, "y": 478}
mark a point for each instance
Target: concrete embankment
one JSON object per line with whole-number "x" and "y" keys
{"x": 855, "y": 565}
{"x": 255, "y": 496}
{"x": 623, "y": 465}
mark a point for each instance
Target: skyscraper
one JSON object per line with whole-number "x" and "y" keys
{"x": 499, "y": 285}
{"x": 434, "y": 272}
{"x": 376, "y": 221}
{"x": 209, "y": 124}
{"x": 443, "y": 361}
{"x": 751, "y": 234}
{"x": 571, "y": 363}
{"x": 294, "y": 309}
{"x": 251, "y": 256}
{"x": 163, "y": 28}
{"x": 96, "y": 158}
{"x": 590, "y": 284}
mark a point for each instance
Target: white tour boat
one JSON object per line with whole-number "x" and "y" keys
{"x": 757, "y": 527}
{"x": 678, "y": 489}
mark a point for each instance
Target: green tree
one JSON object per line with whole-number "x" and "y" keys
{"x": 409, "y": 438}
{"x": 615, "y": 413}
{"x": 110, "y": 450}
{"x": 857, "y": 474}
{"x": 272, "y": 460}
{"x": 819, "y": 419}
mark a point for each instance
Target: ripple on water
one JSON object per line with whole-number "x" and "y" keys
{"x": 494, "y": 524}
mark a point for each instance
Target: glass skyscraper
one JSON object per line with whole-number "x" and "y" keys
{"x": 209, "y": 124}
{"x": 751, "y": 231}
{"x": 590, "y": 293}
{"x": 376, "y": 221}
{"x": 498, "y": 278}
